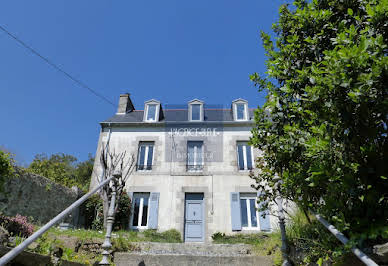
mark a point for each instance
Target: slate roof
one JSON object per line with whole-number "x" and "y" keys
{"x": 178, "y": 115}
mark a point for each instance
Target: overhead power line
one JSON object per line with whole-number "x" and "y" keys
{"x": 80, "y": 83}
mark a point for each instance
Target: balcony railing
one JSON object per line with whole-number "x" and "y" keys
{"x": 194, "y": 168}
{"x": 143, "y": 167}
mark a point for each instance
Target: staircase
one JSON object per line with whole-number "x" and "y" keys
{"x": 190, "y": 254}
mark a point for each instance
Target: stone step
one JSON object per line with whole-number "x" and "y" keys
{"x": 195, "y": 249}
{"x": 137, "y": 259}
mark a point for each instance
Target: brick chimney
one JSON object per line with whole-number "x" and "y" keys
{"x": 125, "y": 104}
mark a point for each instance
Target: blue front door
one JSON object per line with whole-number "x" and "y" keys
{"x": 194, "y": 222}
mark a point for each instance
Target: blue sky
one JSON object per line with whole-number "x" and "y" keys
{"x": 172, "y": 51}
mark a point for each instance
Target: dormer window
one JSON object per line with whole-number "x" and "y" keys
{"x": 195, "y": 110}
{"x": 151, "y": 111}
{"x": 240, "y": 110}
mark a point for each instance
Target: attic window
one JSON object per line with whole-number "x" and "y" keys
{"x": 195, "y": 112}
{"x": 240, "y": 111}
{"x": 151, "y": 112}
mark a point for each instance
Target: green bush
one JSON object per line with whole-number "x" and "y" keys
{"x": 94, "y": 216}
{"x": 312, "y": 240}
{"x": 169, "y": 236}
{"x": 6, "y": 167}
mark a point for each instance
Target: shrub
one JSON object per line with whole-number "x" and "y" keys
{"x": 311, "y": 241}
{"x": 94, "y": 217}
{"x": 170, "y": 236}
{"x": 17, "y": 226}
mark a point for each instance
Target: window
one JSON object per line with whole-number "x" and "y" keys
{"x": 140, "y": 210}
{"x": 249, "y": 212}
{"x": 244, "y": 155}
{"x": 240, "y": 111}
{"x": 145, "y": 157}
{"x": 194, "y": 155}
{"x": 151, "y": 112}
{"x": 195, "y": 112}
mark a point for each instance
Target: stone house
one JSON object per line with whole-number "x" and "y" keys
{"x": 192, "y": 171}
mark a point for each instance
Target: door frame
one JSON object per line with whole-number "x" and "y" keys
{"x": 202, "y": 201}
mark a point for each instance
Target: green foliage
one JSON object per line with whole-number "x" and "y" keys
{"x": 6, "y": 167}
{"x": 95, "y": 217}
{"x": 264, "y": 244}
{"x": 63, "y": 169}
{"x": 323, "y": 128}
{"x": 313, "y": 241}
{"x": 169, "y": 236}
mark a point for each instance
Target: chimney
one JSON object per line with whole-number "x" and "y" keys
{"x": 125, "y": 104}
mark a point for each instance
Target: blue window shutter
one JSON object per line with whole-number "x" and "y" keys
{"x": 235, "y": 211}
{"x": 154, "y": 209}
{"x": 265, "y": 224}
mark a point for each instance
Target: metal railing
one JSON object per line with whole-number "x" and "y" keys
{"x": 194, "y": 168}
{"x": 18, "y": 249}
{"x": 341, "y": 237}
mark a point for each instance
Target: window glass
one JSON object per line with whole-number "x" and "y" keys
{"x": 140, "y": 209}
{"x": 253, "y": 212}
{"x": 240, "y": 157}
{"x": 151, "y": 113}
{"x": 240, "y": 111}
{"x": 194, "y": 155}
{"x": 145, "y": 212}
{"x": 195, "y": 112}
{"x": 136, "y": 211}
{"x": 244, "y": 155}
{"x": 244, "y": 213}
{"x": 149, "y": 158}
{"x": 249, "y": 156}
{"x": 145, "y": 157}
{"x": 248, "y": 211}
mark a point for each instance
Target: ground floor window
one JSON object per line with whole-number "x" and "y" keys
{"x": 249, "y": 212}
{"x": 140, "y": 210}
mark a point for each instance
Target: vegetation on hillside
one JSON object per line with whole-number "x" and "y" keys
{"x": 323, "y": 129}
{"x": 63, "y": 169}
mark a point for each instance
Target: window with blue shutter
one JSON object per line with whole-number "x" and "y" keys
{"x": 154, "y": 210}
{"x": 235, "y": 211}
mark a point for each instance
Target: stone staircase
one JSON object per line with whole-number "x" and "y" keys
{"x": 190, "y": 254}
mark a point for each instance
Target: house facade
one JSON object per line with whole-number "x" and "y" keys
{"x": 192, "y": 167}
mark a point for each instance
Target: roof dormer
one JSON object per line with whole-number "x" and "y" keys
{"x": 195, "y": 111}
{"x": 240, "y": 110}
{"x": 152, "y": 111}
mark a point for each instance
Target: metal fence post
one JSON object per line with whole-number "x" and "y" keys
{"x": 107, "y": 245}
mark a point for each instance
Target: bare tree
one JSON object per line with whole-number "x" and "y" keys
{"x": 118, "y": 164}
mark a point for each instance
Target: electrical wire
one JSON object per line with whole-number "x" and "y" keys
{"x": 80, "y": 83}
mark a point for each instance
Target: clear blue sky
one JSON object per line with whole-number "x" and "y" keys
{"x": 172, "y": 51}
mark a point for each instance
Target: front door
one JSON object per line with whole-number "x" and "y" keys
{"x": 194, "y": 218}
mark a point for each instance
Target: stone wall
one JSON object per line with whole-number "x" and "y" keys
{"x": 36, "y": 196}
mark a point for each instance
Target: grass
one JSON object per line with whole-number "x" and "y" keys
{"x": 264, "y": 244}
{"x": 122, "y": 241}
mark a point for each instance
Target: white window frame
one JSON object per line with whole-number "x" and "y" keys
{"x": 244, "y": 156}
{"x": 157, "y": 111}
{"x": 248, "y": 208}
{"x": 246, "y": 113}
{"x": 190, "y": 112}
{"x": 147, "y": 145}
{"x": 195, "y": 163}
{"x": 140, "y": 215}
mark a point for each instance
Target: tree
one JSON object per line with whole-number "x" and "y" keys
{"x": 113, "y": 163}
{"x": 323, "y": 128}
{"x": 63, "y": 169}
